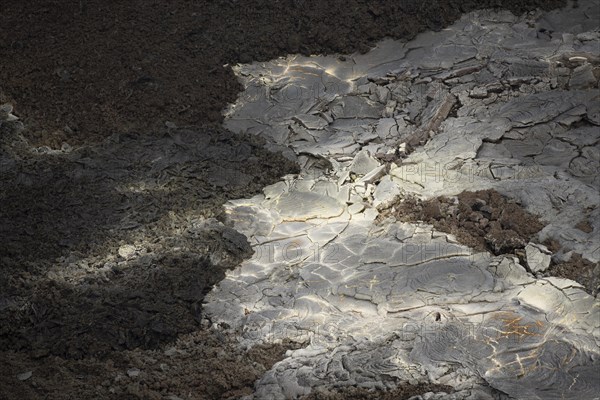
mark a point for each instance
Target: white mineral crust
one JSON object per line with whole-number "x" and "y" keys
{"x": 378, "y": 305}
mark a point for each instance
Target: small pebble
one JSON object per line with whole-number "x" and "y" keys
{"x": 127, "y": 251}
{"x": 25, "y": 375}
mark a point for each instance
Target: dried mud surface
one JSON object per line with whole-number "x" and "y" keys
{"x": 87, "y": 308}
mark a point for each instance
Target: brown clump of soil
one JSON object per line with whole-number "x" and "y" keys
{"x": 579, "y": 270}
{"x": 401, "y": 393}
{"x": 483, "y": 220}
{"x": 584, "y": 226}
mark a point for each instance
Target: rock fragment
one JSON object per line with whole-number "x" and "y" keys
{"x": 538, "y": 257}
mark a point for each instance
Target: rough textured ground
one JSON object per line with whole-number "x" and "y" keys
{"x": 79, "y": 70}
{"x": 402, "y": 393}
{"x": 112, "y": 235}
{"x": 107, "y": 253}
{"x": 200, "y": 365}
{"x": 102, "y": 226}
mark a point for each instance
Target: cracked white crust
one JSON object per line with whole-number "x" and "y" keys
{"x": 504, "y": 107}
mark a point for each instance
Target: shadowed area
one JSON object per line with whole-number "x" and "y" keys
{"x": 114, "y": 246}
